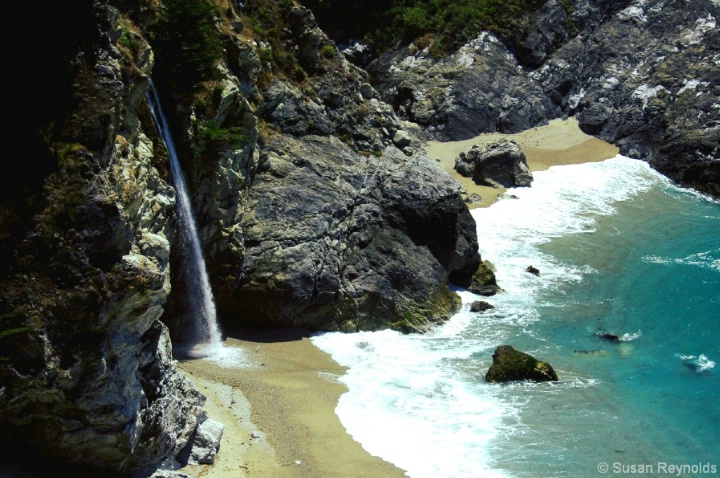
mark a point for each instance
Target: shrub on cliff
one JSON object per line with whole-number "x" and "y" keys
{"x": 188, "y": 42}
{"x": 451, "y": 21}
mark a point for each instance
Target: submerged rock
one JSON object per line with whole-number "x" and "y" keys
{"x": 512, "y": 365}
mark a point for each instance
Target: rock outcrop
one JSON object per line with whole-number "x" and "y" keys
{"x": 315, "y": 207}
{"x": 647, "y": 80}
{"x": 498, "y": 164}
{"x": 640, "y": 74}
{"x": 86, "y": 369}
{"x": 510, "y": 365}
{"x": 334, "y": 219}
{"x": 480, "y": 88}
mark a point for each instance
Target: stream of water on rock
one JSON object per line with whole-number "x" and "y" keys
{"x": 206, "y": 338}
{"x": 620, "y": 250}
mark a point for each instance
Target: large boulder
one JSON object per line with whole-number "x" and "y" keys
{"x": 334, "y": 240}
{"x": 500, "y": 163}
{"x": 511, "y": 365}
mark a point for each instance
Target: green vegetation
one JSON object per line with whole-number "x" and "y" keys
{"x": 449, "y": 22}
{"x": 188, "y": 42}
{"x": 269, "y": 23}
{"x": 129, "y": 40}
{"x": 327, "y": 51}
{"x": 212, "y": 137}
{"x": 15, "y": 331}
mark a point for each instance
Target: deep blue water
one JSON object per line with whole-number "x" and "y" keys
{"x": 621, "y": 251}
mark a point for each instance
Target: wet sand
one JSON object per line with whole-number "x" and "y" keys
{"x": 560, "y": 142}
{"x": 283, "y": 390}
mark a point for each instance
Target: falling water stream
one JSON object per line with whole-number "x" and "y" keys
{"x": 205, "y": 337}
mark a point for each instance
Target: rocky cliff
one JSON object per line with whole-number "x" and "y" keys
{"x": 640, "y": 74}
{"x": 315, "y": 204}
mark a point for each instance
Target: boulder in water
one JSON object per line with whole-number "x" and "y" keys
{"x": 533, "y": 270}
{"x": 607, "y": 336}
{"x": 480, "y": 306}
{"x": 483, "y": 280}
{"x": 511, "y": 365}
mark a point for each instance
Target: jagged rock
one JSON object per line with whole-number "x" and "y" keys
{"x": 88, "y": 379}
{"x": 483, "y": 281}
{"x": 401, "y": 139}
{"x": 533, "y": 270}
{"x": 331, "y": 226}
{"x": 499, "y": 163}
{"x": 640, "y": 75}
{"x": 549, "y": 29}
{"x": 480, "y": 306}
{"x": 609, "y": 79}
{"x": 512, "y": 365}
{"x": 477, "y": 89}
{"x": 333, "y": 240}
{"x": 206, "y": 442}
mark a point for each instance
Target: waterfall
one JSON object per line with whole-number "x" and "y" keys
{"x": 205, "y": 338}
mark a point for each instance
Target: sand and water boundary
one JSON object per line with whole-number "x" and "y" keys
{"x": 278, "y": 402}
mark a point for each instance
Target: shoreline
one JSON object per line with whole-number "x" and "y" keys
{"x": 277, "y": 403}
{"x": 560, "y": 142}
{"x": 277, "y": 398}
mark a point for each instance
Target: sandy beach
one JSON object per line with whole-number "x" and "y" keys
{"x": 276, "y": 395}
{"x": 560, "y": 142}
{"x": 277, "y": 400}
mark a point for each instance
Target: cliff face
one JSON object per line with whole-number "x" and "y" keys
{"x": 86, "y": 371}
{"x": 328, "y": 216}
{"x": 642, "y": 75}
{"x": 316, "y": 207}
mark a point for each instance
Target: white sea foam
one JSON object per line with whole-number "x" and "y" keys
{"x": 707, "y": 259}
{"x": 420, "y": 401}
{"x": 627, "y": 337}
{"x": 699, "y": 363}
{"x": 407, "y": 406}
{"x": 563, "y": 200}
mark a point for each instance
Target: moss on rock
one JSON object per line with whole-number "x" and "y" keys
{"x": 512, "y": 365}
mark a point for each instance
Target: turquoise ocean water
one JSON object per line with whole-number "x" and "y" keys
{"x": 621, "y": 251}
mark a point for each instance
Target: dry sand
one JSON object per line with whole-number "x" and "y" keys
{"x": 284, "y": 390}
{"x": 560, "y": 142}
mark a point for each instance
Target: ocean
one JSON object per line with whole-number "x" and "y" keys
{"x": 620, "y": 251}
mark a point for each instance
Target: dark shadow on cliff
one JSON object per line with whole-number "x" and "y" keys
{"x": 24, "y": 462}
{"x": 289, "y": 334}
